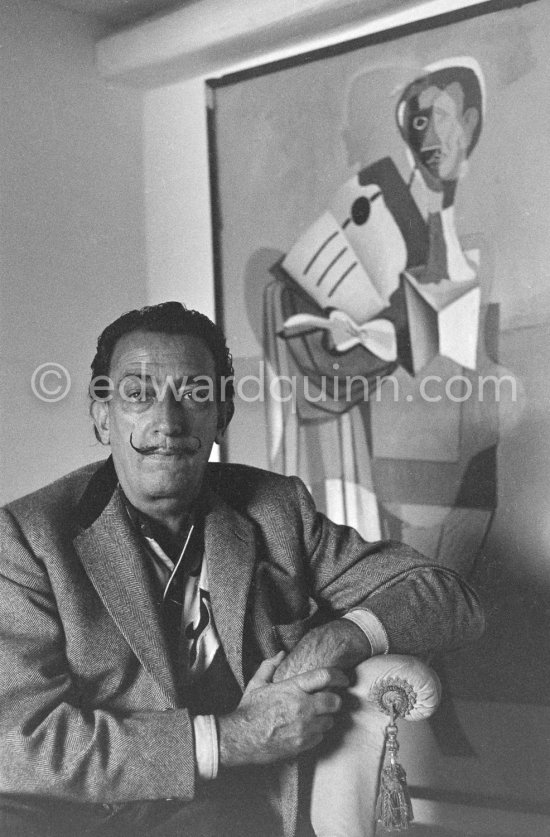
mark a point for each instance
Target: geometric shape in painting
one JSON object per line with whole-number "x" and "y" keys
{"x": 462, "y": 538}
{"x": 478, "y": 488}
{"x": 415, "y": 481}
{"x": 397, "y": 314}
{"x": 443, "y": 319}
{"x": 377, "y": 336}
{"x": 491, "y": 331}
{"x": 371, "y": 229}
{"x": 453, "y": 538}
{"x": 420, "y": 517}
{"x": 325, "y": 265}
{"x": 420, "y": 428}
{"x": 402, "y": 206}
{"x": 417, "y": 526}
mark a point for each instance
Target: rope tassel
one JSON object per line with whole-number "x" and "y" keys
{"x": 393, "y": 806}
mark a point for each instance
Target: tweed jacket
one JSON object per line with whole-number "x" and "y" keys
{"x": 92, "y": 707}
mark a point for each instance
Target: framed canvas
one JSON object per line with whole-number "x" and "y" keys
{"x": 380, "y": 256}
{"x": 380, "y": 238}
{"x": 366, "y": 262}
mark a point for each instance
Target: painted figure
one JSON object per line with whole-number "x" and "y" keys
{"x": 440, "y": 117}
{"x": 379, "y": 291}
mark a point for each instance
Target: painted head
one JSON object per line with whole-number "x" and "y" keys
{"x": 161, "y": 395}
{"x": 440, "y": 116}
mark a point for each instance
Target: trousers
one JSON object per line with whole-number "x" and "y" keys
{"x": 233, "y": 808}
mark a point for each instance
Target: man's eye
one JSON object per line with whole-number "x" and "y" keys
{"x": 187, "y": 394}
{"x": 137, "y": 393}
{"x": 198, "y": 395}
{"x": 420, "y": 123}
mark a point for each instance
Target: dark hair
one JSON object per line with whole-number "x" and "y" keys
{"x": 170, "y": 318}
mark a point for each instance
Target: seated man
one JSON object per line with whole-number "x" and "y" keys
{"x": 174, "y": 634}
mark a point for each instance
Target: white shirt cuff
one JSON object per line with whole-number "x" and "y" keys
{"x": 372, "y": 627}
{"x": 206, "y": 746}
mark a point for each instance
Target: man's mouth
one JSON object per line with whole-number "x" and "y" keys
{"x": 186, "y": 447}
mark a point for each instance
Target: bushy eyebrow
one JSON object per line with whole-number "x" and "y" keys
{"x": 131, "y": 372}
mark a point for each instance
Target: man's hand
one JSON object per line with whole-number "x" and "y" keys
{"x": 278, "y": 721}
{"x": 340, "y": 644}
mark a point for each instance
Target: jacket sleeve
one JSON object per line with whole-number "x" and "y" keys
{"x": 424, "y": 607}
{"x": 49, "y": 744}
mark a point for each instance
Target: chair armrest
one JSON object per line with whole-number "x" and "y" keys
{"x": 346, "y": 777}
{"x": 404, "y": 682}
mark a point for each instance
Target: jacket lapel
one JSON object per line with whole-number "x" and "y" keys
{"x": 229, "y": 541}
{"x": 117, "y": 565}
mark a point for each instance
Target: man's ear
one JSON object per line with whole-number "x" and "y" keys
{"x": 99, "y": 411}
{"x": 225, "y": 414}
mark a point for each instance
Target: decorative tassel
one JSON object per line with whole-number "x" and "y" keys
{"x": 393, "y": 806}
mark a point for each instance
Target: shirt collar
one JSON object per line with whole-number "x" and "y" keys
{"x": 147, "y": 528}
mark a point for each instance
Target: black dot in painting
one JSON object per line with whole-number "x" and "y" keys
{"x": 360, "y": 211}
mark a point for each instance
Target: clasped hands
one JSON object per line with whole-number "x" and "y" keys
{"x": 290, "y": 703}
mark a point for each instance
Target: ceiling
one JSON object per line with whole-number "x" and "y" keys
{"x": 118, "y": 13}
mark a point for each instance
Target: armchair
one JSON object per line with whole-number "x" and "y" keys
{"x": 348, "y": 774}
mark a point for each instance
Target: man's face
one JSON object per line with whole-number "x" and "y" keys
{"x": 163, "y": 417}
{"x": 439, "y": 133}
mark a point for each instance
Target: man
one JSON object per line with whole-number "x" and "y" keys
{"x": 148, "y": 603}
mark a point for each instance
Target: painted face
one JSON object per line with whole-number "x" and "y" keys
{"x": 163, "y": 416}
{"x": 438, "y": 132}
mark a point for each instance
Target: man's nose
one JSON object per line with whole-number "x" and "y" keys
{"x": 169, "y": 416}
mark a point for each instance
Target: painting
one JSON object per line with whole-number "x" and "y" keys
{"x": 380, "y": 241}
{"x": 357, "y": 244}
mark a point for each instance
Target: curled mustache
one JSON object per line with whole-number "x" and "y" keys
{"x": 191, "y": 444}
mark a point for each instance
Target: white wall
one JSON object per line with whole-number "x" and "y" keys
{"x": 177, "y": 200}
{"x": 71, "y": 235}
